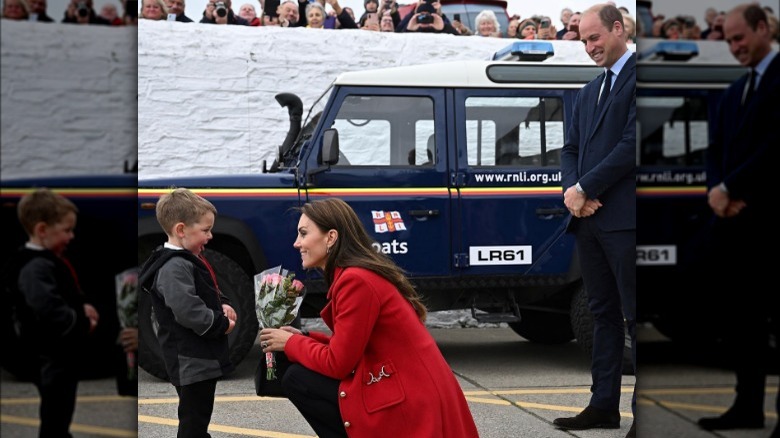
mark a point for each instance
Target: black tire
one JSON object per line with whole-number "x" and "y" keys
{"x": 582, "y": 325}
{"x": 237, "y": 285}
{"x": 543, "y": 327}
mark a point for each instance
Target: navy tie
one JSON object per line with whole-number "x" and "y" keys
{"x": 750, "y": 87}
{"x": 604, "y": 92}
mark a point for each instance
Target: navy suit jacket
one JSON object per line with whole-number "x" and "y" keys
{"x": 742, "y": 138}
{"x": 601, "y": 154}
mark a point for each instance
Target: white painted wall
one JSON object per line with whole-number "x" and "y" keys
{"x": 68, "y": 99}
{"x": 206, "y": 93}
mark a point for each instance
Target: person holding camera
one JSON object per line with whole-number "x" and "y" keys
{"x": 546, "y": 29}
{"x": 371, "y": 9}
{"x": 220, "y": 12}
{"x": 572, "y": 31}
{"x": 427, "y": 18}
{"x": 462, "y": 29}
{"x": 154, "y": 10}
{"x": 82, "y": 12}
{"x": 386, "y": 23}
{"x": 716, "y": 33}
{"x": 389, "y": 7}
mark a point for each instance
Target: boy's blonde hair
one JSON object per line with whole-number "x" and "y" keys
{"x": 43, "y": 205}
{"x": 181, "y": 205}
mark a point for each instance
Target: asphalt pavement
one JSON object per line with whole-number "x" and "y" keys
{"x": 515, "y": 388}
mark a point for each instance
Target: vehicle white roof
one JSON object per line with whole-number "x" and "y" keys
{"x": 709, "y": 52}
{"x": 468, "y": 73}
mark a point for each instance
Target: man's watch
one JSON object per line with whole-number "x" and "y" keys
{"x": 579, "y": 189}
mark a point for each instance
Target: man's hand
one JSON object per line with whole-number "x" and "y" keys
{"x": 209, "y": 12}
{"x": 734, "y": 208}
{"x": 718, "y": 201}
{"x": 574, "y": 201}
{"x": 570, "y": 36}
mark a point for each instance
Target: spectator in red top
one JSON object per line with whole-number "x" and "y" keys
{"x": 247, "y": 12}
{"x": 110, "y": 13}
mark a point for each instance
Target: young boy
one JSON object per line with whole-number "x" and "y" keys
{"x": 194, "y": 317}
{"x": 53, "y": 318}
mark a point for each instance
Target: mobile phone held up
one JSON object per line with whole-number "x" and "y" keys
{"x": 545, "y": 24}
{"x": 270, "y": 8}
{"x": 456, "y": 17}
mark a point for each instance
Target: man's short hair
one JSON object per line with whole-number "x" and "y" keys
{"x": 754, "y": 14}
{"x": 43, "y": 205}
{"x": 608, "y": 14}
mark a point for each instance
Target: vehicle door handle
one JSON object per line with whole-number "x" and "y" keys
{"x": 423, "y": 213}
{"x": 555, "y": 211}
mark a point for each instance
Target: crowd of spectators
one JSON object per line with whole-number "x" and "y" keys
{"x": 686, "y": 27}
{"x": 76, "y": 12}
{"x": 378, "y": 15}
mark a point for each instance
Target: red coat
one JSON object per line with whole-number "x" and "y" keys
{"x": 394, "y": 380}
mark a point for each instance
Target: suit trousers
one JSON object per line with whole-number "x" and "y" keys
{"x": 749, "y": 311}
{"x": 196, "y": 403}
{"x": 57, "y": 385}
{"x": 316, "y": 397}
{"x": 608, "y": 262}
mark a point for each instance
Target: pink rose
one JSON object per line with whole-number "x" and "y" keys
{"x": 272, "y": 280}
{"x": 297, "y": 285}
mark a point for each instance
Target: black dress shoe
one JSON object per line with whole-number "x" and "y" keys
{"x": 733, "y": 419}
{"x": 632, "y": 432}
{"x": 590, "y": 418}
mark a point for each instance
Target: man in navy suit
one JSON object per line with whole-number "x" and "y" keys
{"x": 739, "y": 169}
{"x": 599, "y": 181}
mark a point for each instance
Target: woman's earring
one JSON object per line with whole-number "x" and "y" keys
{"x": 327, "y": 250}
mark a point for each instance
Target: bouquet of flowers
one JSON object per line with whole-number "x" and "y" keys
{"x": 127, "y": 309}
{"x": 278, "y": 297}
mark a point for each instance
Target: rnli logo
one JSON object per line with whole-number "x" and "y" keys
{"x": 387, "y": 221}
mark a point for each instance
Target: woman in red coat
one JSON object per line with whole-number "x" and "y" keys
{"x": 380, "y": 374}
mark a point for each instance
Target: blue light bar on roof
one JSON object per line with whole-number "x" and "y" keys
{"x": 525, "y": 51}
{"x": 672, "y": 51}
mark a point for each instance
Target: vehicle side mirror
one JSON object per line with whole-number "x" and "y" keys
{"x": 330, "y": 147}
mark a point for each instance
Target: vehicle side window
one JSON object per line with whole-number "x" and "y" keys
{"x": 514, "y": 131}
{"x": 386, "y": 131}
{"x": 673, "y": 130}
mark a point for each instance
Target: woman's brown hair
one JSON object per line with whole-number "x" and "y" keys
{"x": 354, "y": 248}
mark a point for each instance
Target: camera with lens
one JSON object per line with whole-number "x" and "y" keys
{"x": 220, "y": 9}
{"x": 425, "y": 19}
{"x": 82, "y": 9}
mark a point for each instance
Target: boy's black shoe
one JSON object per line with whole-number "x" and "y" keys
{"x": 590, "y": 418}
{"x": 733, "y": 419}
